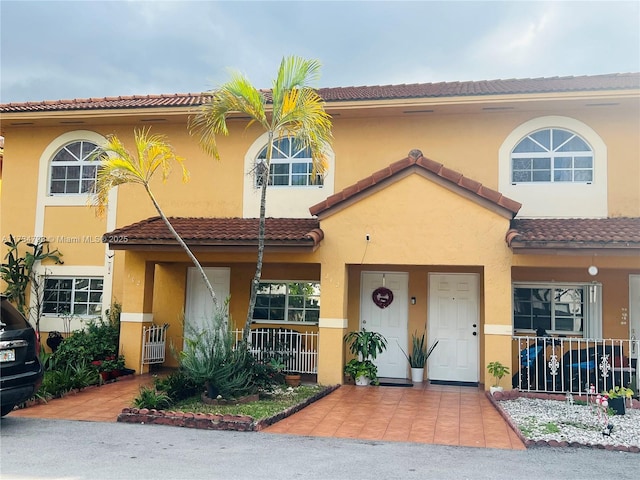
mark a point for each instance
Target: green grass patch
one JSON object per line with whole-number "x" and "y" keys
{"x": 267, "y": 406}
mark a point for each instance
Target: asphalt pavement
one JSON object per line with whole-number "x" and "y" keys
{"x": 37, "y": 449}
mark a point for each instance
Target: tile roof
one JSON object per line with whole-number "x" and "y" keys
{"x": 296, "y": 232}
{"x": 415, "y": 159}
{"x": 619, "y": 81}
{"x": 618, "y": 232}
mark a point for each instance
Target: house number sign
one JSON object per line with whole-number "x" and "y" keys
{"x": 382, "y": 297}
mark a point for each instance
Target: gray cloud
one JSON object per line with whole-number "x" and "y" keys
{"x": 76, "y": 49}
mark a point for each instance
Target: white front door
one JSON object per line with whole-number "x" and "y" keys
{"x": 199, "y": 308}
{"x": 390, "y": 321}
{"x": 455, "y": 321}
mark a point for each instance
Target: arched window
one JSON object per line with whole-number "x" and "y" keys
{"x": 291, "y": 165}
{"x": 71, "y": 172}
{"x": 552, "y": 155}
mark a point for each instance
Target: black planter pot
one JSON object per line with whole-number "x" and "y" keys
{"x": 212, "y": 390}
{"x": 54, "y": 340}
{"x": 617, "y": 404}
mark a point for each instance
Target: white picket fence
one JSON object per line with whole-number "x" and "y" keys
{"x": 298, "y": 350}
{"x": 154, "y": 342}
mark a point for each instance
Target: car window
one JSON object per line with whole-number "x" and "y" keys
{"x": 10, "y": 318}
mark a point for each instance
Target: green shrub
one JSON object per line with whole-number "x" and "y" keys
{"x": 178, "y": 385}
{"x": 210, "y": 357}
{"x": 151, "y": 398}
{"x": 97, "y": 341}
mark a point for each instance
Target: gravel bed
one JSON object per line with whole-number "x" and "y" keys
{"x": 547, "y": 420}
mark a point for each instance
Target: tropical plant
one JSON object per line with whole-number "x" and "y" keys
{"x": 419, "y": 351}
{"x": 118, "y": 166}
{"x": 178, "y": 385}
{"x": 210, "y": 357}
{"x": 619, "y": 392}
{"x": 356, "y": 368}
{"x": 366, "y": 344}
{"x": 20, "y": 271}
{"x": 497, "y": 370}
{"x": 152, "y": 398}
{"x": 297, "y": 112}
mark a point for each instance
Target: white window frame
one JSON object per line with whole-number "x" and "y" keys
{"x": 290, "y": 155}
{"x": 284, "y": 201}
{"x": 287, "y": 307}
{"x": 74, "y": 292}
{"x": 554, "y": 155}
{"x": 556, "y": 199}
{"x": 591, "y": 308}
{"x": 81, "y": 162}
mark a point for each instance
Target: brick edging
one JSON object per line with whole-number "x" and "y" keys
{"x": 513, "y": 394}
{"x": 211, "y": 421}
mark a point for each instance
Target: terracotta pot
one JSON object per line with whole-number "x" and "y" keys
{"x": 292, "y": 380}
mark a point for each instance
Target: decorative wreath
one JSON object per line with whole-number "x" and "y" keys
{"x": 382, "y": 297}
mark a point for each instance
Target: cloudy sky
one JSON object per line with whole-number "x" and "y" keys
{"x": 77, "y": 49}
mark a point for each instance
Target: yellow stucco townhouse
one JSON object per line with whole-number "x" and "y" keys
{"x": 490, "y": 210}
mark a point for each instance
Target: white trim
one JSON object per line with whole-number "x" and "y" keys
{"x": 284, "y": 201}
{"x": 44, "y": 200}
{"x": 78, "y": 271}
{"x": 559, "y": 199}
{"x": 491, "y": 329}
{"x": 49, "y": 324}
{"x": 129, "y": 317}
{"x": 333, "y": 322}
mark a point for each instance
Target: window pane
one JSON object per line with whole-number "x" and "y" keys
{"x": 79, "y": 309}
{"x": 542, "y": 163}
{"x": 563, "y": 162}
{"x": 528, "y": 146}
{"x": 522, "y": 163}
{"x": 541, "y": 176}
{"x": 87, "y": 149}
{"x": 276, "y": 314}
{"x": 576, "y": 144}
{"x": 57, "y": 186}
{"x": 519, "y": 176}
{"x": 82, "y": 284}
{"x": 64, "y": 156}
{"x": 73, "y": 172}
{"x": 543, "y": 137}
{"x": 562, "y": 176}
{"x": 583, "y": 162}
{"x": 583, "y": 176}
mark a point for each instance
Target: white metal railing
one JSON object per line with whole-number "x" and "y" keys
{"x": 154, "y": 341}
{"x": 297, "y": 350}
{"x": 550, "y": 364}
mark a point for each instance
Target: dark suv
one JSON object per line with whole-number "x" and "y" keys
{"x": 20, "y": 368}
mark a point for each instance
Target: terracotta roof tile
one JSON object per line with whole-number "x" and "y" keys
{"x": 219, "y": 231}
{"x": 620, "y": 81}
{"x": 618, "y": 232}
{"x": 416, "y": 160}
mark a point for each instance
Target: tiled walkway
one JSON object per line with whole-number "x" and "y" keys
{"x": 422, "y": 414}
{"x": 93, "y": 404}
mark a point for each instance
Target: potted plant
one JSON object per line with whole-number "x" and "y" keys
{"x": 418, "y": 357}
{"x": 366, "y": 346}
{"x": 617, "y": 397}
{"x": 497, "y": 370}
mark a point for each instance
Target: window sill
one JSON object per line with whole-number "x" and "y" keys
{"x": 281, "y": 322}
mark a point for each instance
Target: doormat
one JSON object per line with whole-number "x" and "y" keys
{"x": 395, "y": 382}
{"x": 455, "y": 384}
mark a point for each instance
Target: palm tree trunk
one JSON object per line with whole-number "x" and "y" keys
{"x": 261, "y": 234}
{"x": 184, "y": 246}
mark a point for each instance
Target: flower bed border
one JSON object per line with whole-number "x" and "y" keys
{"x": 211, "y": 421}
{"x": 514, "y": 394}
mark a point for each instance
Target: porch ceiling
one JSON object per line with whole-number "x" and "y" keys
{"x": 621, "y": 234}
{"x": 224, "y": 234}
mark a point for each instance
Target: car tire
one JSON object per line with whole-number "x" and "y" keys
{"x": 5, "y": 409}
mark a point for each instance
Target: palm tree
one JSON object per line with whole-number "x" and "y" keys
{"x": 297, "y": 112}
{"x": 118, "y": 166}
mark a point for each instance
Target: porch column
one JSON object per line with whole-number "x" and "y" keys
{"x": 137, "y": 303}
{"x": 498, "y": 328}
{"x": 333, "y": 323}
